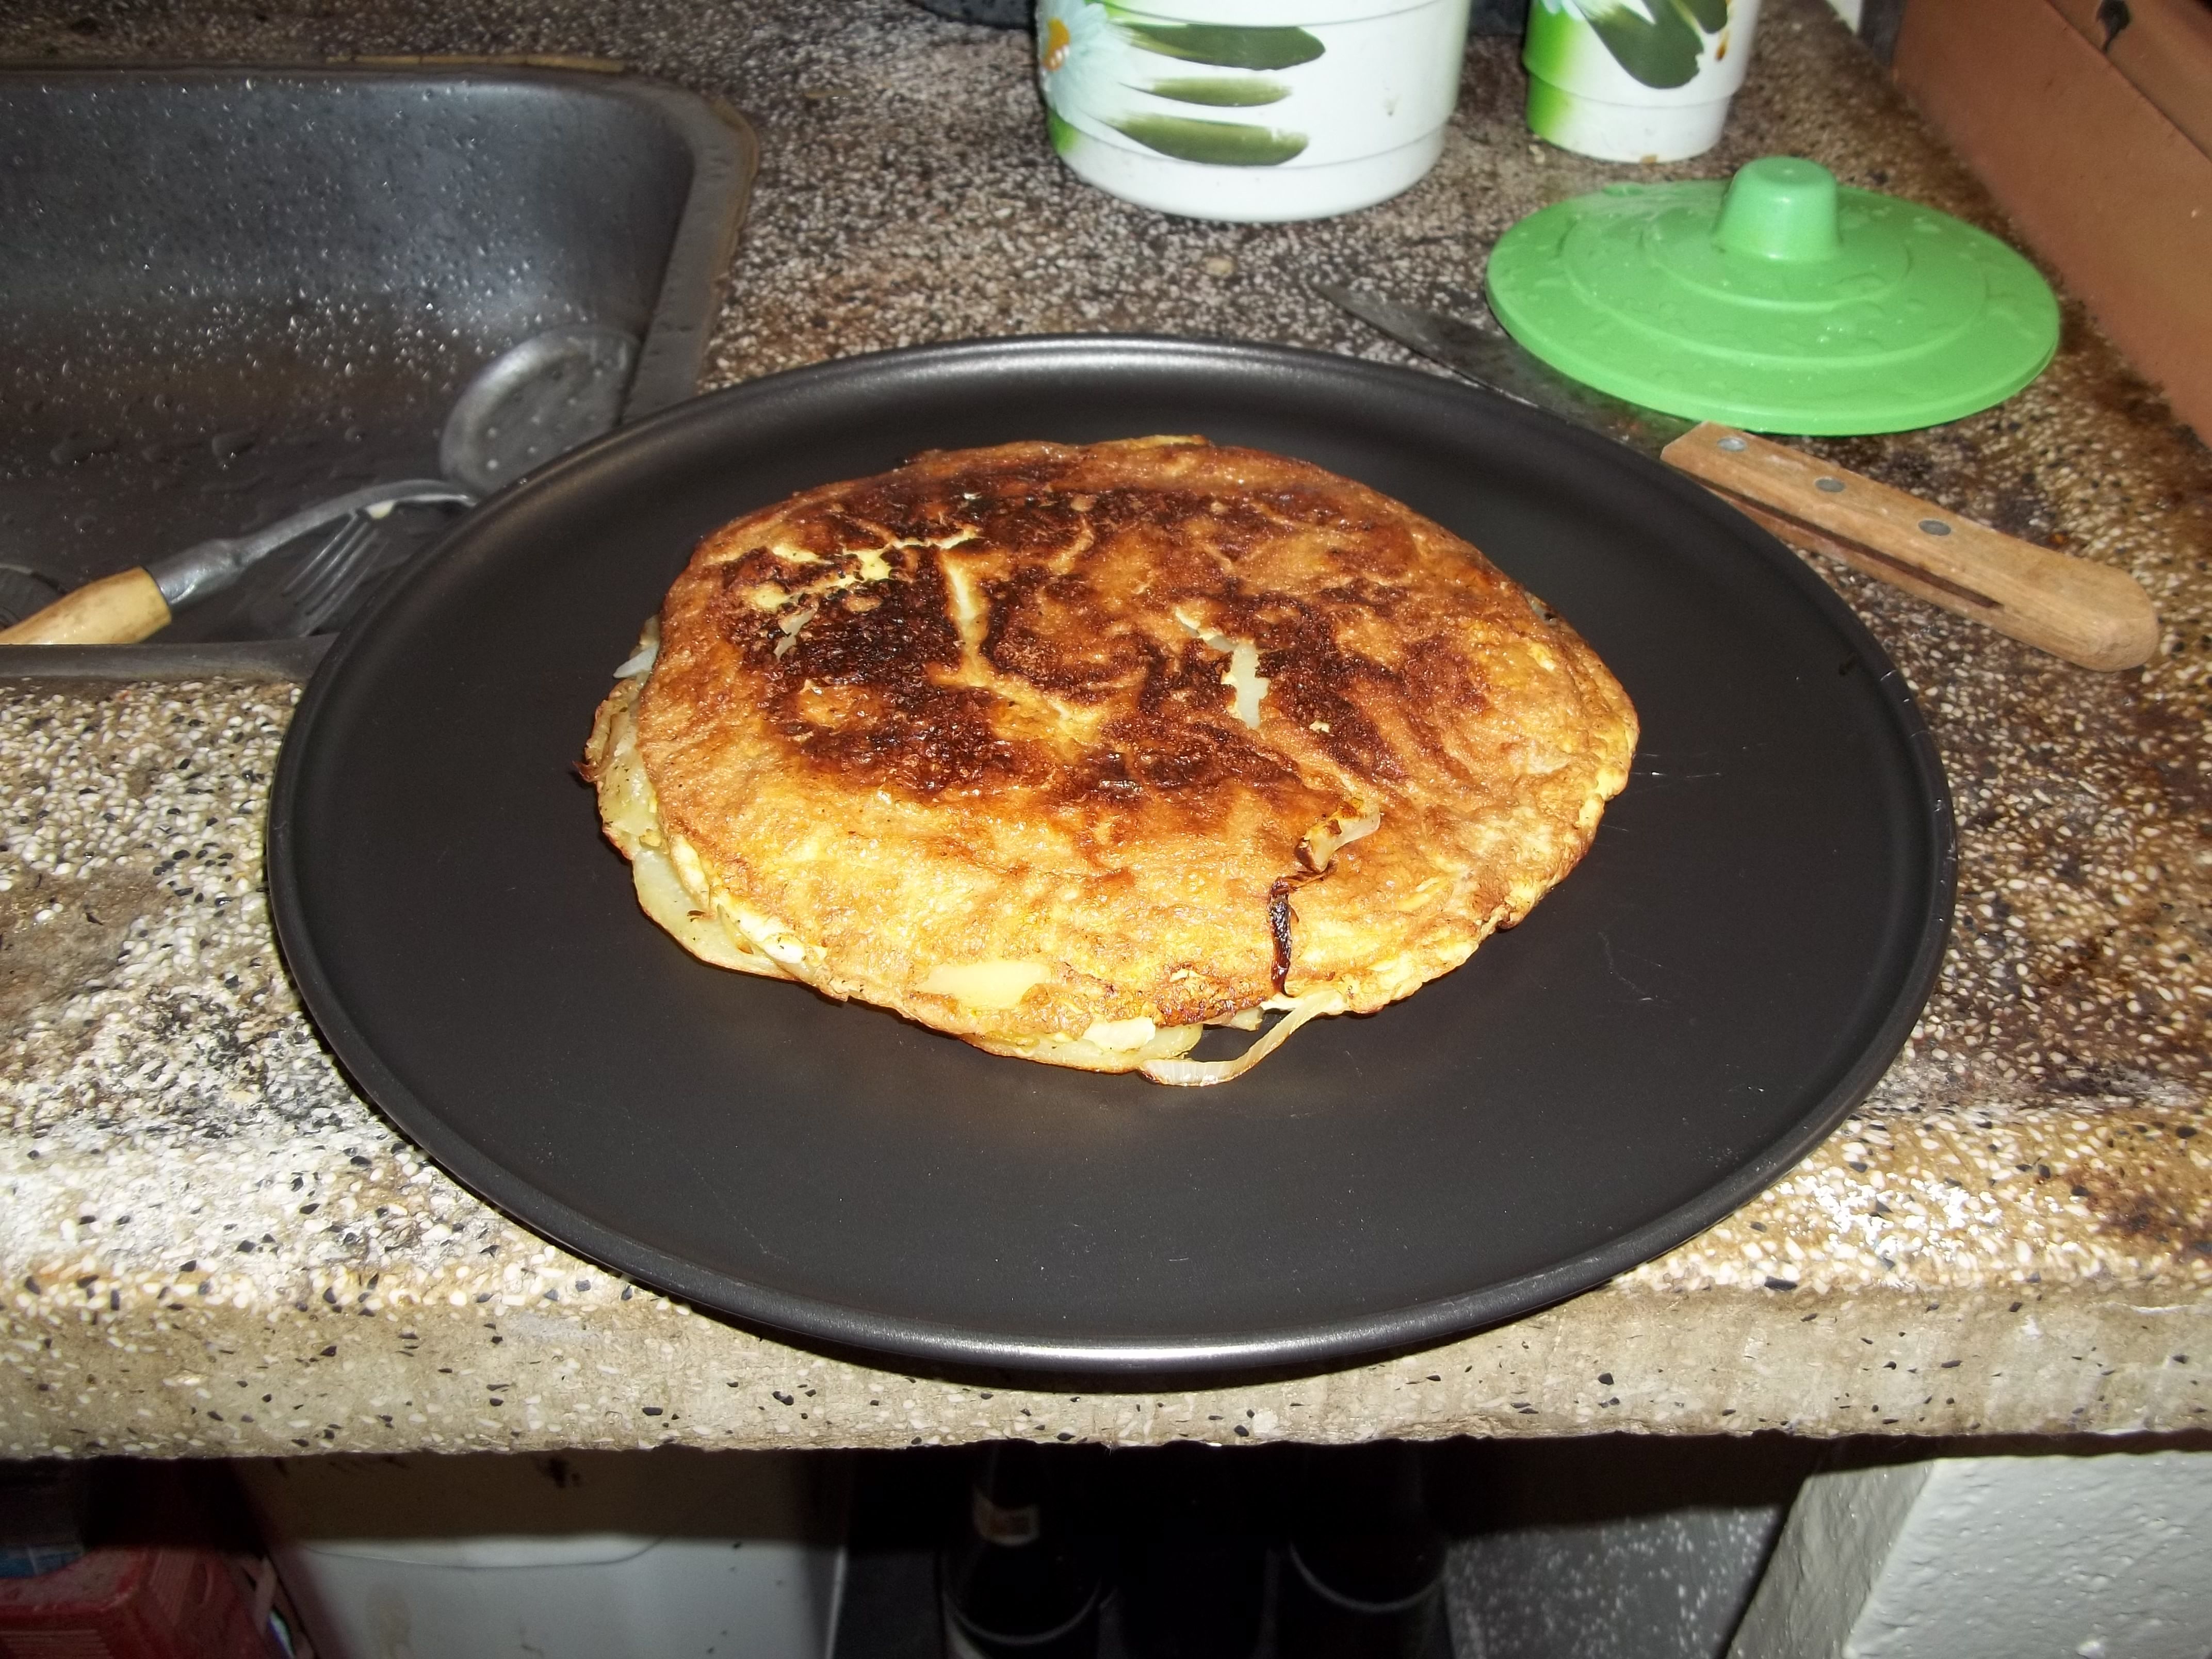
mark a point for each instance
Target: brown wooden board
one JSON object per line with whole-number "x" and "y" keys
{"x": 2100, "y": 183}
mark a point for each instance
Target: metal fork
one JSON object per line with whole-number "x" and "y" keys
{"x": 324, "y": 581}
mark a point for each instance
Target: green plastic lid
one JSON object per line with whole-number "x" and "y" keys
{"x": 1780, "y": 301}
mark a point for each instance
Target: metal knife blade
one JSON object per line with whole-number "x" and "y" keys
{"x": 1493, "y": 358}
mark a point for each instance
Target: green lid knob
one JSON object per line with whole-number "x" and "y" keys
{"x": 1780, "y": 208}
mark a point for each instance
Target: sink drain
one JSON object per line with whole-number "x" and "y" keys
{"x": 544, "y": 397}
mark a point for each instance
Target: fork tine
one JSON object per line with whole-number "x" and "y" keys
{"x": 306, "y": 575}
{"x": 338, "y": 562}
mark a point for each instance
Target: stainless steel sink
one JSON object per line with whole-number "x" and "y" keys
{"x": 231, "y": 293}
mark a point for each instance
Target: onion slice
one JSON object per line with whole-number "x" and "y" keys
{"x": 1332, "y": 835}
{"x": 641, "y": 660}
{"x": 1202, "y": 1073}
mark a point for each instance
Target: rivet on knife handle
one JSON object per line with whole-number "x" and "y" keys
{"x": 2088, "y": 613}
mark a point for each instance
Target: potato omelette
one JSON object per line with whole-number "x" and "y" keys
{"x": 1072, "y": 752}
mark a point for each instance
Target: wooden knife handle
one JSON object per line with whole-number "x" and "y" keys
{"x": 113, "y": 610}
{"x": 2088, "y": 613}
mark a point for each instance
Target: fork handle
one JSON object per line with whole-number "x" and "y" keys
{"x": 113, "y": 610}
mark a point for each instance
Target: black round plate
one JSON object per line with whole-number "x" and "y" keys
{"x": 1728, "y": 972}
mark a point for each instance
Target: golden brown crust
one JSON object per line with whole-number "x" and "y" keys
{"x": 997, "y": 707}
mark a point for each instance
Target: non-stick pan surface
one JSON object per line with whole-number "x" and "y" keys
{"x": 1728, "y": 972}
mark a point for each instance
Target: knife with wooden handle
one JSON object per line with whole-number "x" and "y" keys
{"x": 2088, "y": 613}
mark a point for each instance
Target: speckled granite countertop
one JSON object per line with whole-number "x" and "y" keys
{"x": 211, "y": 1245}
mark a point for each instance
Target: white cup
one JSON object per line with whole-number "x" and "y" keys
{"x": 1250, "y": 109}
{"x": 1636, "y": 80}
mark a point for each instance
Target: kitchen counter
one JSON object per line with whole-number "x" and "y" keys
{"x": 210, "y": 1244}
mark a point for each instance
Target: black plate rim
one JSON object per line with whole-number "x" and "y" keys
{"x": 1312, "y": 1345}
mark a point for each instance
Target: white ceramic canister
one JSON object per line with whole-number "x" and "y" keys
{"x": 1636, "y": 80}
{"x": 1250, "y": 109}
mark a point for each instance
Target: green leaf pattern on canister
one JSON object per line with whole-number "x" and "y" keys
{"x": 1101, "y": 65}
{"x": 1661, "y": 44}
{"x": 1242, "y": 92}
{"x": 1229, "y": 45}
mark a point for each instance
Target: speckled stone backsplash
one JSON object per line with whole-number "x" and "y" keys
{"x": 213, "y": 1245}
